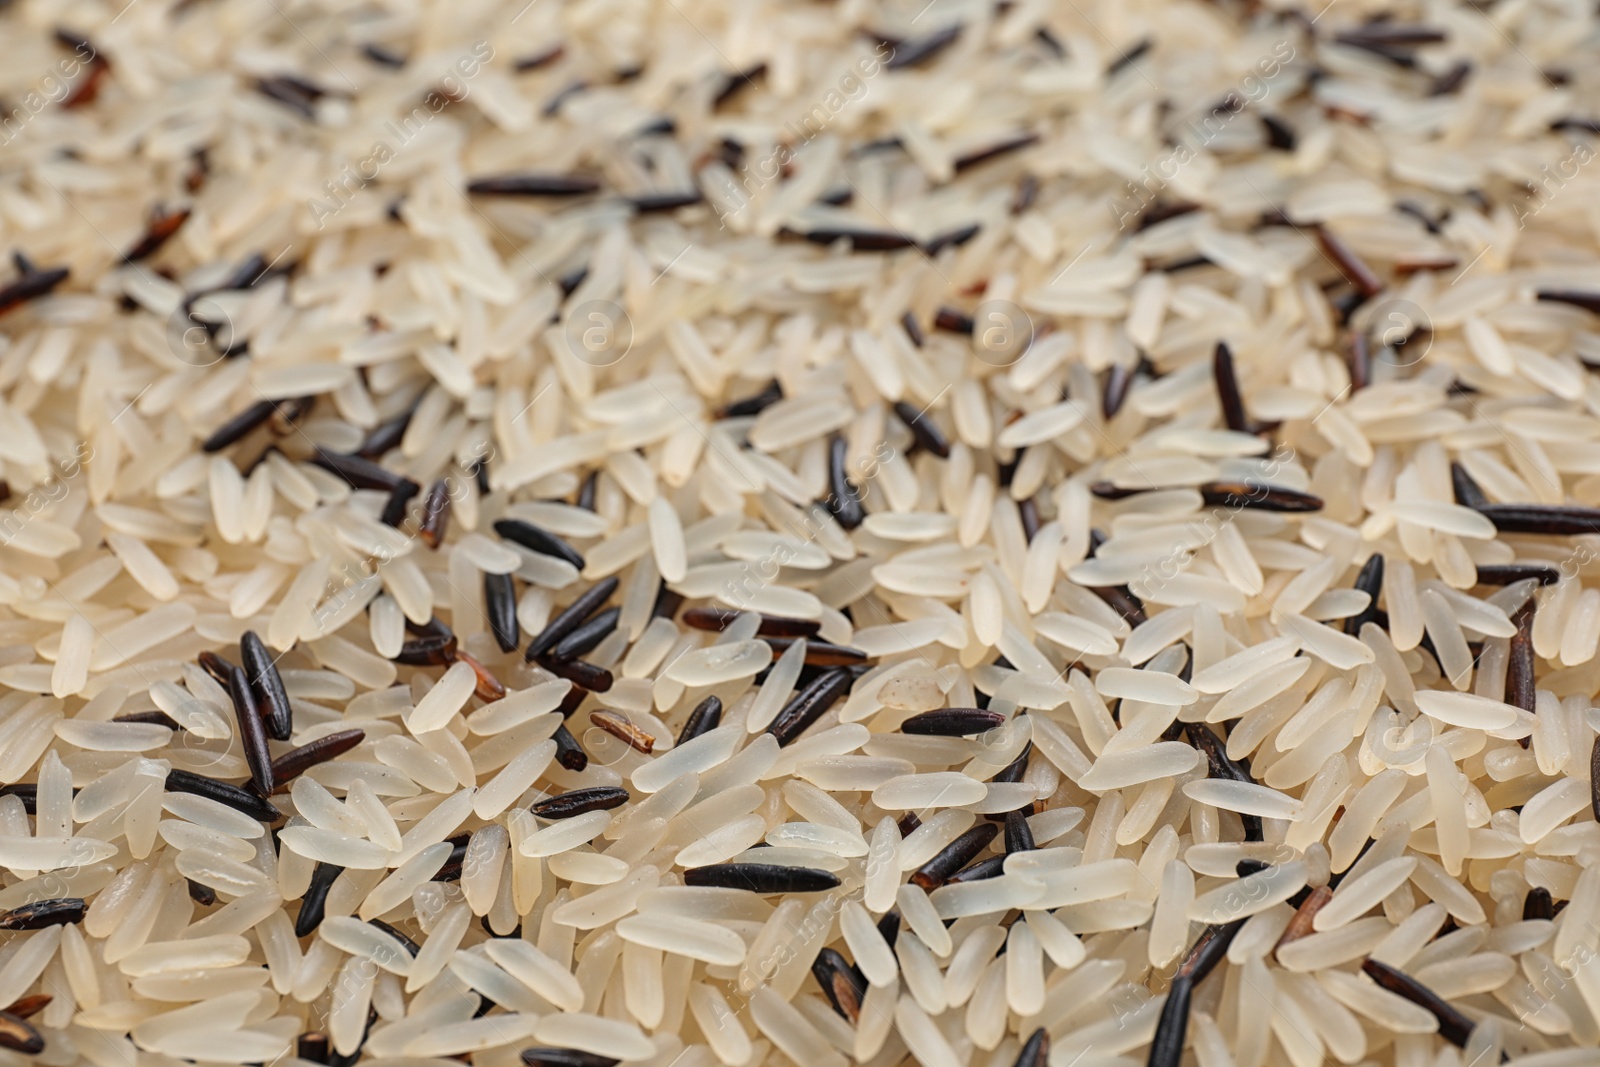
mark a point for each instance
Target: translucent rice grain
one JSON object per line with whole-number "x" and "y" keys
{"x": 666, "y": 538}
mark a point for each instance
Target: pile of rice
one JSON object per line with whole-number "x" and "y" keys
{"x": 1196, "y": 397}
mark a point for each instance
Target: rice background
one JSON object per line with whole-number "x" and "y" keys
{"x": 502, "y": 495}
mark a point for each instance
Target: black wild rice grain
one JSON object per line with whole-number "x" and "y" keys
{"x": 297, "y": 761}
{"x": 252, "y": 731}
{"x": 1358, "y": 360}
{"x": 435, "y": 514}
{"x": 1104, "y": 490}
{"x": 539, "y": 59}
{"x": 1587, "y": 301}
{"x": 913, "y": 328}
{"x": 1594, "y": 779}
{"x": 908, "y": 823}
{"x": 585, "y": 638}
{"x": 314, "y": 1046}
{"x": 1280, "y": 135}
{"x": 916, "y": 52}
{"x": 1228, "y": 395}
{"x": 538, "y": 539}
{"x": 860, "y": 240}
{"x": 1352, "y": 266}
{"x": 38, "y": 914}
{"x": 1391, "y": 35}
{"x": 1172, "y": 1028}
{"x": 952, "y": 722}
{"x": 706, "y": 716}
{"x": 29, "y": 1006}
{"x": 1556, "y": 519}
{"x": 954, "y": 856}
{"x": 753, "y": 405}
{"x": 1369, "y": 581}
{"x": 649, "y": 202}
{"x": 1519, "y": 691}
{"x": 581, "y": 801}
{"x": 820, "y": 653}
{"x": 159, "y": 718}
{"x": 1538, "y": 904}
{"x": 807, "y": 706}
{"x": 571, "y": 617}
{"x": 1467, "y": 491}
{"x": 719, "y": 619}
{"x": 359, "y": 473}
{"x": 1013, "y": 771}
{"x": 314, "y": 901}
{"x": 579, "y": 672}
{"x": 398, "y": 506}
{"x": 203, "y": 895}
{"x": 1118, "y": 380}
{"x": 1163, "y": 210}
{"x": 161, "y": 227}
{"x": 533, "y": 185}
{"x": 844, "y": 499}
{"x": 565, "y": 1057}
{"x": 923, "y": 430}
{"x": 1019, "y": 835}
{"x": 411, "y": 947}
{"x": 31, "y": 286}
{"x": 434, "y": 650}
{"x": 889, "y": 927}
{"x": 736, "y": 81}
{"x": 237, "y": 427}
{"x": 618, "y": 725}
{"x": 1222, "y": 766}
{"x": 19, "y": 1035}
{"x": 761, "y": 878}
{"x": 1036, "y": 1050}
{"x": 297, "y": 94}
{"x": 1454, "y": 1027}
{"x": 1451, "y": 80}
{"x": 993, "y": 867}
{"x": 952, "y": 320}
{"x": 569, "y": 753}
{"x": 1130, "y": 57}
{"x": 486, "y": 686}
{"x": 1028, "y": 513}
{"x": 1507, "y": 573}
{"x": 383, "y": 55}
{"x": 995, "y": 151}
{"x": 267, "y": 685}
{"x": 1027, "y": 193}
{"x": 843, "y": 985}
{"x": 587, "y": 491}
{"x": 386, "y": 435}
{"x": 951, "y": 238}
{"x": 241, "y": 800}
{"x": 500, "y": 598}
{"x": 1119, "y": 598}
{"x": 455, "y": 862}
{"x": 1259, "y": 496}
